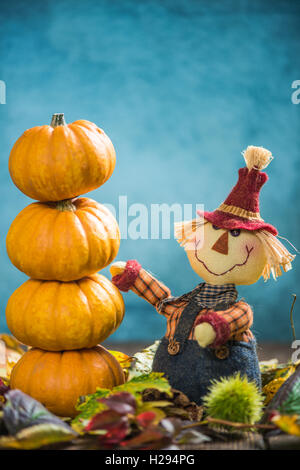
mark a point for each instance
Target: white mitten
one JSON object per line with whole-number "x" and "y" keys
{"x": 204, "y": 334}
{"x": 117, "y": 268}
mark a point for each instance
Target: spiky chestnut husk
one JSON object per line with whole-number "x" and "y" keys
{"x": 234, "y": 399}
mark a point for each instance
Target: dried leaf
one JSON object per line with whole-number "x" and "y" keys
{"x": 142, "y": 361}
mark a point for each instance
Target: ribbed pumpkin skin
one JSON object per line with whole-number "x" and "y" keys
{"x": 60, "y": 316}
{"x": 51, "y": 244}
{"x": 52, "y": 164}
{"x": 58, "y": 379}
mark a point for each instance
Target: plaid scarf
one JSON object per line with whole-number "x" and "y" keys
{"x": 207, "y": 295}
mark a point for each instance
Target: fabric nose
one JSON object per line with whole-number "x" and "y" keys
{"x": 221, "y": 245}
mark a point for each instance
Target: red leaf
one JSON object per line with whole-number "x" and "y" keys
{"x": 146, "y": 418}
{"x": 104, "y": 420}
{"x": 116, "y": 433}
{"x": 122, "y": 403}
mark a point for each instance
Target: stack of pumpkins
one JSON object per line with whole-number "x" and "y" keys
{"x": 65, "y": 309}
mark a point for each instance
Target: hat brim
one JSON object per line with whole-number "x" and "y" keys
{"x": 231, "y": 222}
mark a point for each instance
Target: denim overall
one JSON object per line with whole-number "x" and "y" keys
{"x": 190, "y": 368}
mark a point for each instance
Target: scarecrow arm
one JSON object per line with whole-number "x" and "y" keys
{"x": 216, "y": 328}
{"x": 131, "y": 276}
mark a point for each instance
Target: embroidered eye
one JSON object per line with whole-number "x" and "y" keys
{"x": 236, "y": 232}
{"x": 216, "y": 228}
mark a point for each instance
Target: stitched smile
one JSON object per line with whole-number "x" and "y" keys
{"x": 228, "y": 270}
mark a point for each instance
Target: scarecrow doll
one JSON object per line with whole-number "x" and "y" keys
{"x": 208, "y": 332}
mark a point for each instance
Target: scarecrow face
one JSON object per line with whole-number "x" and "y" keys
{"x": 227, "y": 256}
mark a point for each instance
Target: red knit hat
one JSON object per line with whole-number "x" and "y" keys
{"x": 241, "y": 208}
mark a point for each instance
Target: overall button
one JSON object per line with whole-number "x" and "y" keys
{"x": 173, "y": 347}
{"x": 222, "y": 352}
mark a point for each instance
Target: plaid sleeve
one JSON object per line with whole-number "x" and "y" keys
{"x": 135, "y": 278}
{"x": 239, "y": 317}
{"x": 149, "y": 288}
{"x": 228, "y": 323}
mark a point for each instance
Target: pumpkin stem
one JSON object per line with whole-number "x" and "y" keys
{"x": 65, "y": 205}
{"x": 58, "y": 119}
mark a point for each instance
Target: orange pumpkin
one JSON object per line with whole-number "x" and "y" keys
{"x": 63, "y": 241}
{"x": 57, "y": 315}
{"x": 56, "y": 162}
{"x": 58, "y": 379}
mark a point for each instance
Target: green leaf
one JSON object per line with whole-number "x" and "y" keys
{"x": 291, "y": 405}
{"x": 38, "y": 436}
{"x": 138, "y": 384}
{"x": 89, "y": 408}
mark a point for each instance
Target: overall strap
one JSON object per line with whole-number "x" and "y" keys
{"x": 183, "y": 328}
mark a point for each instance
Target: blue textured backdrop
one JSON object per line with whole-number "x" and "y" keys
{"x": 181, "y": 87}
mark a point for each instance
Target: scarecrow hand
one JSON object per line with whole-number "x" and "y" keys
{"x": 204, "y": 334}
{"x": 117, "y": 268}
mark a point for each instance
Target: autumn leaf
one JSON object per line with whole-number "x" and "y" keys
{"x": 146, "y": 418}
{"x": 147, "y": 439}
{"x": 37, "y": 436}
{"x": 142, "y": 361}
{"x": 289, "y": 424}
{"x": 122, "y": 403}
{"x": 122, "y": 358}
{"x": 92, "y": 404}
{"x": 30, "y": 424}
{"x": 138, "y": 384}
{"x": 13, "y": 344}
{"x": 22, "y": 411}
{"x": 153, "y": 408}
{"x": 276, "y": 378}
{"x": 11, "y": 351}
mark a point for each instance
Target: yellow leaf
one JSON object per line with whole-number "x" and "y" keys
{"x": 122, "y": 358}
{"x": 37, "y": 436}
{"x": 12, "y": 343}
{"x": 287, "y": 423}
{"x": 10, "y": 352}
{"x": 280, "y": 376}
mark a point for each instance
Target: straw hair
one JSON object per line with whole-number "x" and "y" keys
{"x": 257, "y": 157}
{"x": 278, "y": 257}
{"x": 185, "y": 231}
